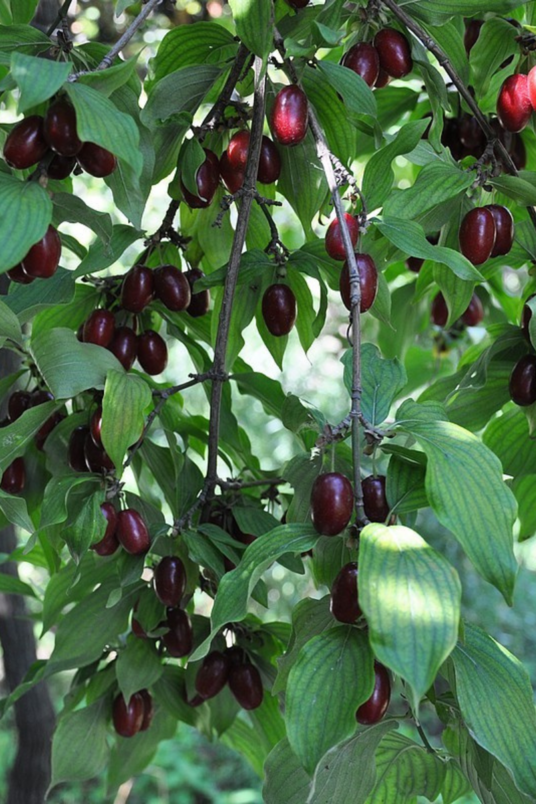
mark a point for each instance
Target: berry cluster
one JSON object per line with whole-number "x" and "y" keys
{"x": 368, "y": 273}
{"x": 388, "y": 56}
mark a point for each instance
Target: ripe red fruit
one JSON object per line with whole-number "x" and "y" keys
{"x": 334, "y": 242}
{"x": 170, "y": 581}
{"x": 477, "y": 235}
{"x": 522, "y": 385}
{"x": 382, "y": 80}
{"x": 132, "y": 532}
{"x": 368, "y": 278}
{"x": 96, "y": 161}
{"x": 439, "y": 312}
{"x": 269, "y": 168}
{"x": 99, "y": 328}
{"x": 148, "y": 709}
{"x": 43, "y": 258}
{"x": 179, "y": 640}
{"x": 394, "y": 52}
{"x": 332, "y": 503}
{"x": 60, "y": 167}
{"x": 374, "y": 498}
{"x": 97, "y": 460}
{"x": 531, "y": 87}
{"x": 172, "y": 288}
{"x": 343, "y": 603}
{"x": 471, "y": 135}
{"x": 46, "y": 428}
{"x": 152, "y": 352}
{"x": 375, "y": 708}
{"x": 19, "y": 275}
{"x": 514, "y": 106}
{"x": 60, "y": 128}
{"x": 474, "y": 313}
{"x": 526, "y": 315}
{"x": 364, "y": 60}
{"x": 234, "y": 179}
{"x": 504, "y": 229}
{"x": 472, "y": 32}
{"x": 213, "y": 674}
{"x": 246, "y": 685}
{"x": 109, "y": 543}
{"x": 289, "y": 117}
{"x": 233, "y": 161}
{"x": 137, "y": 289}
{"x": 279, "y": 309}
{"x": 207, "y": 179}
{"x": 17, "y": 404}
{"x": 237, "y": 150}
{"x": 76, "y": 451}
{"x": 14, "y": 477}
{"x": 95, "y": 426}
{"x": 200, "y": 301}
{"x": 124, "y": 346}
{"x": 39, "y": 397}
{"x": 25, "y": 144}
{"x": 128, "y": 718}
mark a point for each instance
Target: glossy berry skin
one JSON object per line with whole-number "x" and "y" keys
{"x": 95, "y": 426}
{"x": 343, "y": 603}
{"x": 25, "y": 144}
{"x": 137, "y": 289}
{"x": 269, "y": 168}
{"x": 288, "y": 120}
{"x": 200, "y": 301}
{"x": 364, "y": 60}
{"x": 334, "y": 242}
{"x": 368, "y": 277}
{"x": 99, "y": 328}
{"x": 332, "y": 503}
{"x": 17, "y": 404}
{"x": 60, "y": 167}
{"x": 439, "y": 313}
{"x": 477, "y": 235}
{"x": 514, "y": 107}
{"x": 97, "y": 460}
{"x": 213, "y": 674}
{"x": 474, "y": 314}
{"x": 172, "y": 288}
{"x": 132, "y": 532}
{"x": 279, "y": 309}
{"x": 170, "y": 581}
{"x": 60, "y": 128}
{"x": 504, "y": 229}
{"x": 179, "y": 640}
{"x": 382, "y": 80}
{"x": 128, "y": 717}
{"x": 526, "y": 315}
{"x": 43, "y": 258}
{"x": 374, "y": 498}
{"x": 246, "y": 685}
{"x": 472, "y": 32}
{"x": 233, "y": 179}
{"x": 152, "y": 352}
{"x": 148, "y": 709}
{"x": 40, "y": 396}
{"x": 394, "y": 52}
{"x": 531, "y": 87}
{"x": 76, "y": 451}
{"x": 237, "y": 150}
{"x": 124, "y": 346}
{"x": 19, "y": 275}
{"x": 109, "y": 543}
{"x": 207, "y": 180}
{"x": 471, "y": 135}
{"x": 522, "y": 385}
{"x": 96, "y": 161}
{"x": 373, "y": 710}
{"x": 14, "y": 477}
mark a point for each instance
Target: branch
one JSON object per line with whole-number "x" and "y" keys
{"x": 444, "y": 61}
{"x": 237, "y": 484}
{"x": 214, "y": 116}
{"x": 62, "y": 14}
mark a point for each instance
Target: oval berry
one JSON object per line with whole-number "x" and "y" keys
{"x": 152, "y": 352}
{"x": 132, "y": 532}
{"x": 364, "y": 60}
{"x": 394, "y": 52}
{"x": 332, "y": 503}
{"x": 172, "y": 288}
{"x": 60, "y": 167}
{"x": 334, "y": 242}
{"x": 279, "y": 309}
{"x": 124, "y": 345}
{"x": 213, "y": 674}
{"x": 137, "y": 289}
{"x": 504, "y": 229}
{"x": 109, "y": 543}
{"x": 246, "y": 685}
{"x": 14, "y": 477}
{"x": 207, "y": 180}
{"x": 289, "y": 117}
{"x": 96, "y": 161}
{"x": 170, "y": 581}
{"x": 477, "y": 235}
{"x": 233, "y": 179}
{"x": 373, "y": 710}
{"x": 522, "y": 384}
{"x": 18, "y": 402}
{"x": 200, "y": 301}
{"x": 474, "y": 314}
{"x": 374, "y": 498}
{"x": 368, "y": 278}
{"x": 19, "y": 275}
{"x": 43, "y": 258}
{"x": 97, "y": 459}
{"x": 343, "y": 603}
{"x": 179, "y": 640}
{"x": 514, "y": 106}
{"x": 128, "y": 717}
{"x": 76, "y": 451}
{"x": 99, "y": 328}
{"x": 95, "y": 426}
{"x": 439, "y": 313}
{"x": 59, "y": 128}
{"x": 25, "y": 144}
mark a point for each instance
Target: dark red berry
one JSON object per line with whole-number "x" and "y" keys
{"x": 334, "y": 242}
{"x": 25, "y": 144}
{"x": 374, "y": 498}
{"x": 170, "y": 581}
{"x": 289, "y": 117}
{"x": 43, "y": 258}
{"x": 237, "y": 150}
{"x": 137, "y": 630}
{"x": 76, "y": 451}
{"x": 207, "y": 179}
{"x": 60, "y": 128}
{"x": 172, "y": 288}
{"x": 332, "y": 503}
{"x": 96, "y": 161}
{"x": 132, "y": 532}
{"x": 40, "y": 396}
{"x": 19, "y": 275}
{"x": 14, "y": 477}
{"x": 152, "y": 352}
{"x": 99, "y": 328}
{"x": 375, "y": 708}
{"x": 236, "y": 655}
{"x": 179, "y": 640}
{"x": 148, "y": 709}
{"x": 97, "y": 460}
{"x": 343, "y": 603}
{"x": 237, "y": 154}
{"x": 514, "y": 107}
{"x": 60, "y": 167}
{"x": 477, "y": 235}
{"x": 382, "y": 80}
{"x": 439, "y": 312}
{"x": 95, "y": 426}
{"x": 471, "y": 135}
{"x": 213, "y": 674}
{"x": 523, "y": 381}
{"x": 368, "y": 278}
{"x": 269, "y": 168}
{"x": 200, "y": 301}
{"x": 394, "y": 52}
{"x": 124, "y": 346}
{"x": 474, "y": 314}
{"x": 246, "y": 685}
{"x": 17, "y": 404}
{"x": 472, "y": 32}
{"x": 46, "y": 428}
{"x": 279, "y": 309}
{"x": 137, "y": 289}
{"x": 233, "y": 179}
{"x": 504, "y": 229}
{"x": 414, "y": 264}
{"x": 128, "y": 718}
{"x": 109, "y": 543}
{"x": 364, "y": 60}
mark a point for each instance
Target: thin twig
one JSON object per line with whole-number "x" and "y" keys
{"x": 424, "y": 738}
{"x": 215, "y": 114}
{"x": 236, "y": 484}
{"x": 61, "y": 15}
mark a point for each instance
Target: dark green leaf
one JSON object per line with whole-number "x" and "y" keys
{"x": 37, "y": 79}
{"x": 285, "y": 779}
{"x": 27, "y": 212}
{"x": 184, "y": 46}
{"x": 125, "y": 399}
{"x": 73, "y": 209}
{"x": 254, "y": 21}
{"x": 138, "y": 666}
{"x": 381, "y": 382}
{"x": 180, "y": 91}
{"x": 79, "y": 747}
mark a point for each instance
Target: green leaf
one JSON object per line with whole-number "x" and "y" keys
{"x": 130, "y": 757}
{"x": 21, "y": 39}
{"x": 86, "y": 523}
{"x": 410, "y": 596}
{"x": 381, "y": 382}
{"x": 436, "y": 183}
{"x": 405, "y": 484}
{"x": 68, "y": 366}
{"x": 302, "y": 180}
{"x": 28, "y": 300}
{"x": 9, "y": 324}
{"x": 79, "y": 747}
{"x": 404, "y": 770}
{"x": 254, "y": 24}
{"x": 199, "y": 44}
{"x": 180, "y": 91}
{"x": 99, "y": 120}
{"x": 71, "y": 208}
{"x": 439, "y": 11}
{"x": 520, "y": 188}
{"x": 191, "y": 158}
{"x": 16, "y": 436}
{"x": 23, "y": 10}
{"x": 112, "y": 78}
{"x": 11, "y": 585}
{"x": 524, "y": 489}
{"x": 138, "y": 666}
{"x": 508, "y": 437}
{"x": 332, "y": 677}
{"x": 331, "y": 114}
{"x": 101, "y": 256}
{"x": 285, "y": 779}
{"x": 357, "y": 96}
{"x": 496, "y": 701}
{"x": 466, "y": 491}
{"x": 495, "y": 44}
{"x": 37, "y": 79}
{"x": 125, "y": 399}
{"x": 27, "y": 212}
{"x": 15, "y": 510}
